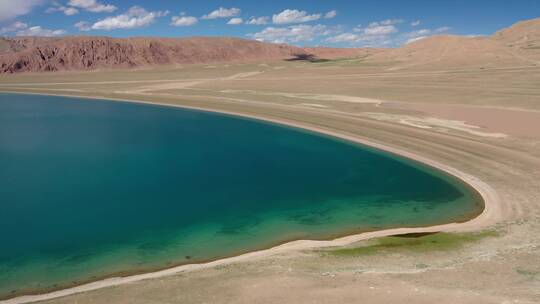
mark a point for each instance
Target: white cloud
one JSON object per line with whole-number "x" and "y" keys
{"x": 476, "y": 35}
{"x": 418, "y": 33}
{"x": 39, "y": 31}
{"x": 235, "y": 21}
{"x": 424, "y": 33}
{"x": 382, "y": 34}
{"x": 92, "y": 6}
{"x": 331, "y": 14}
{"x": 380, "y": 30}
{"x": 57, "y": 7}
{"x": 415, "y": 23}
{"x": 442, "y": 29}
{"x": 344, "y": 37}
{"x": 223, "y": 13}
{"x": 183, "y": 20}
{"x": 388, "y": 22}
{"x": 294, "y": 16}
{"x": 293, "y": 33}
{"x": 10, "y": 9}
{"x": 135, "y": 17}
{"x": 83, "y": 26}
{"x": 258, "y": 20}
{"x": 376, "y": 34}
{"x": 15, "y": 26}
{"x": 363, "y": 40}
{"x": 70, "y": 11}
{"x": 415, "y": 39}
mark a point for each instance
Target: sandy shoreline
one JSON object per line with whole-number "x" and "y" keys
{"x": 491, "y": 214}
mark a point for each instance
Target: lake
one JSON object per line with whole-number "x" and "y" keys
{"x": 96, "y": 188}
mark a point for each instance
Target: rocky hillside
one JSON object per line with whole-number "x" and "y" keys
{"x": 85, "y": 53}
{"x": 36, "y": 54}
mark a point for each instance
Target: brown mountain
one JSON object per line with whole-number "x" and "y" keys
{"x": 84, "y": 53}
{"x": 523, "y": 38}
{"x": 517, "y": 45}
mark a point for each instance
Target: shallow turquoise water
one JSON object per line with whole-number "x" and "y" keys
{"x": 94, "y": 188}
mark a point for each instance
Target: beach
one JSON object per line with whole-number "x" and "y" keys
{"x": 501, "y": 169}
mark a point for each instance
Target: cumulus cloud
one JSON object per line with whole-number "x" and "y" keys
{"x": 415, "y": 23}
{"x": 258, "y": 20}
{"x": 388, "y": 22}
{"x": 22, "y": 29}
{"x": 15, "y": 26}
{"x": 424, "y": 33}
{"x": 67, "y": 10}
{"x": 223, "y": 13}
{"x": 10, "y": 9}
{"x": 83, "y": 26}
{"x": 39, "y": 31}
{"x": 376, "y": 34}
{"x": 92, "y": 6}
{"x": 135, "y": 17}
{"x": 442, "y": 29}
{"x": 476, "y": 35}
{"x": 418, "y": 33}
{"x": 331, "y": 14}
{"x": 235, "y": 21}
{"x": 380, "y": 28}
{"x": 415, "y": 39}
{"x": 293, "y": 33}
{"x": 183, "y": 20}
{"x": 294, "y": 16}
{"x": 363, "y": 40}
{"x": 344, "y": 37}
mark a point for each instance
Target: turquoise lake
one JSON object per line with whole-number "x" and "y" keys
{"x": 95, "y": 188}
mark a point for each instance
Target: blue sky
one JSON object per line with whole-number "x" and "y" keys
{"x": 331, "y": 23}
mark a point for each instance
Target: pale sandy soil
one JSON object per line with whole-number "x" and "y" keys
{"x": 440, "y": 129}
{"x": 516, "y": 122}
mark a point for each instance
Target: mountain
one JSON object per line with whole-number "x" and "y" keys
{"x": 517, "y": 45}
{"x": 84, "y": 53}
{"x": 523, "y": 38}
{"x": 36, "y": 54}
{"x": 524, "y": 34}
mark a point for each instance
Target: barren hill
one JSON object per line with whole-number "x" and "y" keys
{"x": 84, "y": 53}
{"x": 516, "y": 45}
{"x": 523, "y": 38}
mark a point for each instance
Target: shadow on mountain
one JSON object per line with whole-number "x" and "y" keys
{"x": 306, "y": 57}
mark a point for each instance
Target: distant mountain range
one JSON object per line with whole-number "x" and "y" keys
{"x": 516, "y": 45}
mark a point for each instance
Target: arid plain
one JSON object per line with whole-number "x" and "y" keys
{"x": 480, "y": 116}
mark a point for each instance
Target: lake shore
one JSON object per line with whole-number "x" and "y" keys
{"x": 493, "y": 211}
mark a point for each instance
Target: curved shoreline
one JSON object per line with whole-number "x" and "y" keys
{"x": 492, "y": 209}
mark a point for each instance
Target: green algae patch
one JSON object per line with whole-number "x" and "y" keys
{"x": 414, "y": 242}
{"x": 529, "y": 274}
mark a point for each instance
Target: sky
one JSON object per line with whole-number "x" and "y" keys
{"x": 360, "y": 23}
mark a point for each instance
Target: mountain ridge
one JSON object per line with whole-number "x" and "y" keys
{"x": 518, "y": 44}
